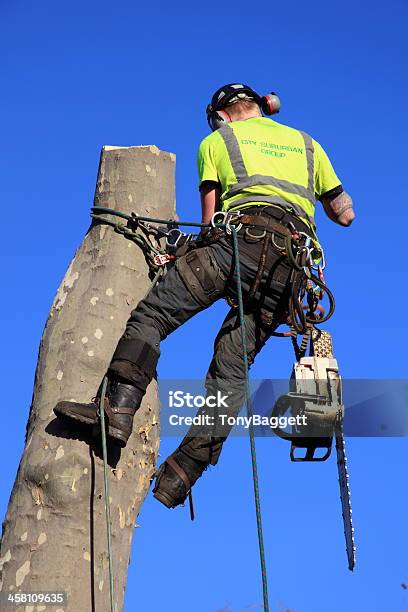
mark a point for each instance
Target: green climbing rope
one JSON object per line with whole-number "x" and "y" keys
{"x": 255, "y": 478}
{"x": 130, "y": 233}
{"x": 155, "y": 280}
{"x": 106, "y": 489}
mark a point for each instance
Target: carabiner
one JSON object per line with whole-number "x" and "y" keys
{"x": 214, "y": 223}
{"x": 174, "y": 230}
{"x": 230, "y": 217}
{"x": 322, "y": 265}
{"x": 228, "y": 227}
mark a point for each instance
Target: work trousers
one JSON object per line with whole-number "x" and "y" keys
{"x": 175, "y": 299}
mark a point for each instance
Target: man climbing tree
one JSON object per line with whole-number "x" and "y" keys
{"x": 264, "y": 178}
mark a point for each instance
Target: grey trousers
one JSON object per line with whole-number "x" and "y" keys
{"x": 172, "y": 302}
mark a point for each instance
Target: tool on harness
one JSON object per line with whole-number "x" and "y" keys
{"x": 302, "y": 252}
{"x": 316, "y": 397}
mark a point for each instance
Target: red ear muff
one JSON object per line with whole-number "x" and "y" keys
{"x": 270, "y": 104}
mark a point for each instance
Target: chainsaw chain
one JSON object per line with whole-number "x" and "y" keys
{"x": 323, "y": 347}
{"x": 345, "y": 497}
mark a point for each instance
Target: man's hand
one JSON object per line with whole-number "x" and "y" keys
{"x": 339, "y": 208}
{"x": 210, "y": 200}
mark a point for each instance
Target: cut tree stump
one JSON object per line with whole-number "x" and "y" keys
{"x": 54, "y": 533}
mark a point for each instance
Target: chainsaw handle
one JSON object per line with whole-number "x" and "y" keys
{"x": 280, "y": 407}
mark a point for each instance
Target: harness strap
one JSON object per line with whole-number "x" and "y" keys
{"x": 111, "y": 410}
{"x": 180, "y": 472}
{"x": 265, "y": 222}
{"x": 261, "y": 268}
{"x": 292, "y": 208}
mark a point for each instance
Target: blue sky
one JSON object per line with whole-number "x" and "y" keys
{"x": 78, "y": 75}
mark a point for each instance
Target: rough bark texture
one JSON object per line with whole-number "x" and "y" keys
{"x": 54, "y": 533}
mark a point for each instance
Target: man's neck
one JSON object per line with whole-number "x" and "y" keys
{"x": 246, "y": 117}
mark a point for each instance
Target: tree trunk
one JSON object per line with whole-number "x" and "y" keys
{"x": 54, "y": 533}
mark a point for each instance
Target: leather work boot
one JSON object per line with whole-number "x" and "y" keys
{"x": 175, "y": 478}
{"x": 121, "y": 402}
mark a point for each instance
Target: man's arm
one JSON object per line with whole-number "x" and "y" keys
{"x": 210, "y": 200}
{"x": 338, "y": 206}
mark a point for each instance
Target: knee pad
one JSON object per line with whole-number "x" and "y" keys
{"x": 201, "y": 275}
{"x": 134, "y": 360}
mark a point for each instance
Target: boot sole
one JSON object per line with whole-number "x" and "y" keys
{"x": 60, "y": 411}
{"x": 112, "y": 432}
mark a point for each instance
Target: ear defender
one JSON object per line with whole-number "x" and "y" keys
{"x": 270, "y": 104}
{"x": 217, "y": 118}
{"x": 217, "y": 115}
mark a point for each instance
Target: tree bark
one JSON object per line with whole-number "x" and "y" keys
{"x": 54, "y": 533}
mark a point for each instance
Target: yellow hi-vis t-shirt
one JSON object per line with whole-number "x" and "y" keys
{"x": 267, "y": 149}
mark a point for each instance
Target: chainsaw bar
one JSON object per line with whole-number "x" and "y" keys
{"x": 345, "y": 497}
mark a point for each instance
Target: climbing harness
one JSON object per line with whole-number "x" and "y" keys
{"x": 303, "y": 252}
